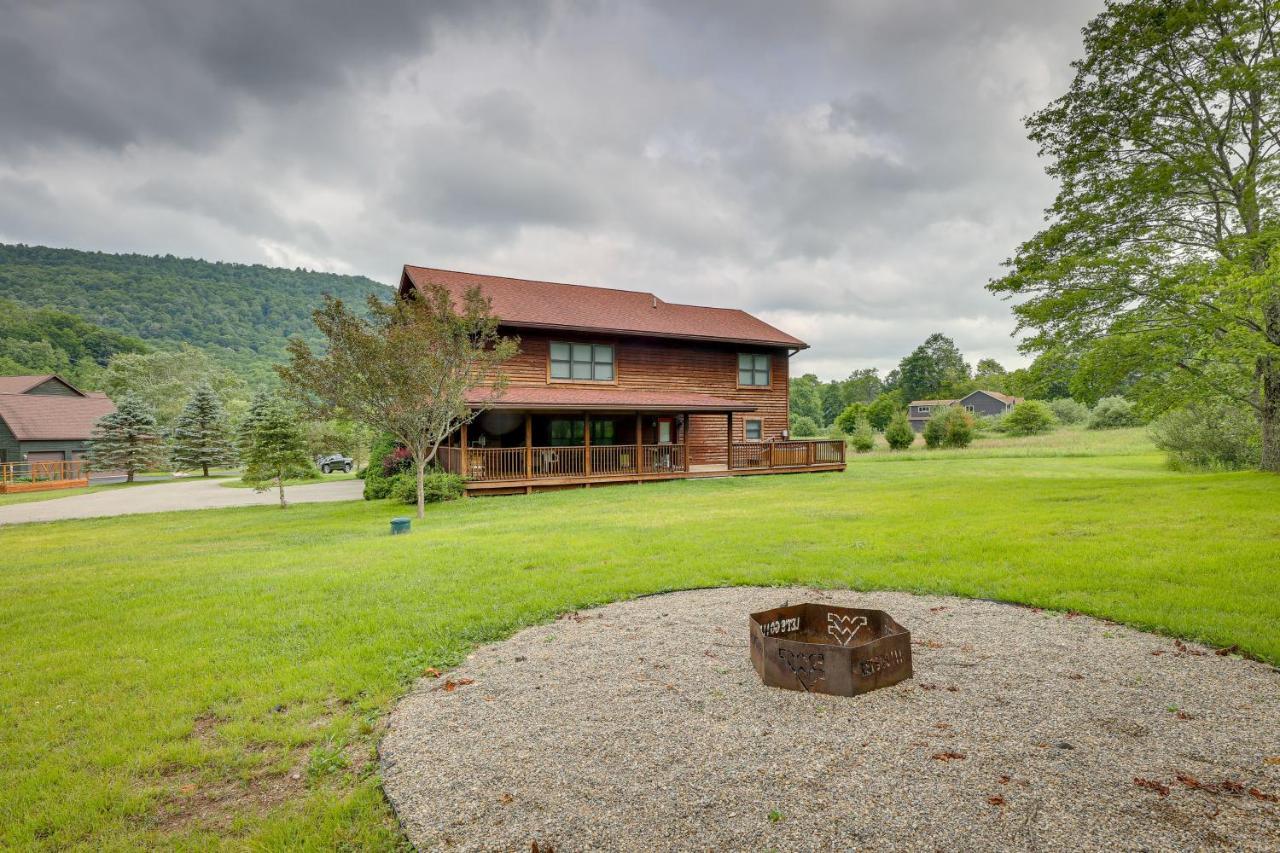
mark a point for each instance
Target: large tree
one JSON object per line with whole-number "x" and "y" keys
{"x": 1159, "y": 259}
{"x": 934, "y": 368}
{"x": 202, "y": 436}
{"x": 126, "y": 440}
{"x": 416, "y": 368}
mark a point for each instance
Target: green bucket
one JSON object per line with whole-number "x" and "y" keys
{"x": 399, "y": 525}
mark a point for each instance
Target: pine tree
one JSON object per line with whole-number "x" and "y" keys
{"x": 271, "y": 445}
{"x": 126, "y": 440}
{"x": 202, "y": 437}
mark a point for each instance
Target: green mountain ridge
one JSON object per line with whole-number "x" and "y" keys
{"x": 240, "y": 314}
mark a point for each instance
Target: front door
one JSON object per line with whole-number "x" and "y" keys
{"x": 666, "y": 430}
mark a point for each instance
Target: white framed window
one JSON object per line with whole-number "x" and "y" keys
{"x": 753, "y": 429}
{"x": 922, "y": 410}
{"x": 968, "y": 408}
{"x": 581, "y": 362}
{"x": 753, "y": 370}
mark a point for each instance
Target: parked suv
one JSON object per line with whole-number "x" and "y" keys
{"x": 335, "y": 462}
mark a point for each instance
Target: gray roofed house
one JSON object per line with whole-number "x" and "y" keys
{"x": 977, "y": 402}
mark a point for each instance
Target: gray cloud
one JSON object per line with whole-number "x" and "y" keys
{"x": 852, "y": 172}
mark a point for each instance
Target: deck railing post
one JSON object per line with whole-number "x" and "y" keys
{"x": 462, "y": 457}
{"x": 639, "y": 444}
{"x": 586, "y": 443}
{"x": 808, "y": 453}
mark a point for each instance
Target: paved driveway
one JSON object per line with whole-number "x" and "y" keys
{"x": 198, "y": 494}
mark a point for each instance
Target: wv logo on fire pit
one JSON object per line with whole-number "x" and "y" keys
{"x": 844, "y": 628}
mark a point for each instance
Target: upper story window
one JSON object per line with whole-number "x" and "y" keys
{"x": 581, "y": 362}
{"x": 923, "y": 410}
{"x": 753, "y": 369}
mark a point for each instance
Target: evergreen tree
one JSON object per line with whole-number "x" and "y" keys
{"x": 202, "y": 437}
{"x": 899, "y": 433}
{"x": 272, "y": 445}
{"x": 126, "y": 440}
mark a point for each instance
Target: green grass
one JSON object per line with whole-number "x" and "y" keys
{"x": 237, "y": 483}
{"x": 220, "y": 678}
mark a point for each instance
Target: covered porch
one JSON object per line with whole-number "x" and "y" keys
{"x": 534, "y": 440}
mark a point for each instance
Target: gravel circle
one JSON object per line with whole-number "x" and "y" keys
{"x": 642, "y": 726}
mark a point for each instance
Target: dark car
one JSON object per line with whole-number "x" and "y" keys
{"x": 335, "y": 462}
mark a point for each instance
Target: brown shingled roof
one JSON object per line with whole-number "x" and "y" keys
{"x": 548, "y": 305}
{"x": 22, "y": 384}
{"x": 607, "y": 399}
{"x": 47, "y": 417}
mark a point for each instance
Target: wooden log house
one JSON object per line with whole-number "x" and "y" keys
{"x": 617, "y": 386}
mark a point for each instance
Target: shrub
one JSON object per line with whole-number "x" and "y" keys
{"x": 861, "y": 437}
{"x": 803, "y": 425}
{"x": 989, "y": 423}
{"x": 1214, "y": 435}
{"x": 849, "y": 418}
{"x": 950, "y": 426}
{"x": 899, "y": 433}
{"x": 1113, "y": 413}
{"x": 1030, "y": 417}
{"x": 1068, "y": 411}
{"x": 438, "y": 486}
{"x": 377, "y": 483}
{"x": 883, "y": 408}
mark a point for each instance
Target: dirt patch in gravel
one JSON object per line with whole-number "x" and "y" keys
{"x": 642, "y": 725}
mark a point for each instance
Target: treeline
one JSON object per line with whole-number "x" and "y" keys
{"x": 934, "y": 370}
{"x": 241, "y": 315}
{"x": 44, "y": 340}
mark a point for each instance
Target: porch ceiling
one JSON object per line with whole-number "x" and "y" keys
{"x": 579, "y": 398}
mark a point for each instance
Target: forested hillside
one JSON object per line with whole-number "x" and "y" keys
{"x": 44, "y": 340}
{"x": 240, "y": 314}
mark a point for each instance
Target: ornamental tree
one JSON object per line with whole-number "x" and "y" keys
{"x": 1160, "y": 260}
{"x": 202, "y": 435}
{"x": 126, "y": 440}
{"x": 417, "y": 368}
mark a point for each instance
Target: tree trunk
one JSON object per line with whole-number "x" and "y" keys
{"x": 206, "y": 469}
{"x": 128, "y": 475}
{"x": 1269, "y": 375}
{"x": 422, "y": 496}
{"x": 280, "y": 485}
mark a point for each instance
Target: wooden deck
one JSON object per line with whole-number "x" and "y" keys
{"x": 42, "y": 476}
{"x": 513, "y": 470}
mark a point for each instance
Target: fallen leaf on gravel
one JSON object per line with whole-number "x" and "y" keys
{"x": 1004, "y": 780}
{"x": 1184, "y": 649}
{"x": 1075, "y": 676}
{"x": 1158, "y": 652}
{"x": 951, "y": 688}
{"x": 937, "y": 609}
{"x": 942, "y": 725}
{"x": 506, "y": 799}
{"x": 462, "y": 681}
{"x": 948, "y": 756}
{"x": 1229, "y": 650}
{"x": 1152, "y": 785}
{"x": 449, "y": 686}
{"x": 1273, "y": 760}
{"x": 1183, "y": 715}
{"x": 996, "y": 800}
{"x": 1262, "y": 795}
{"x": 431, "y": 672}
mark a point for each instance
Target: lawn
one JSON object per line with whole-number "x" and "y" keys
{"x": 220, "y": 678}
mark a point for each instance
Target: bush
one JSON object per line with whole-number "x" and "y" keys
{"x": 883, "y": 408}
{"x": 803, "y": 425}
{"x": 1113, "y": 413}
{"x": 899, "y": 433}
{"x": 1068, "y": 411}
{"x": 950, "y": 426}
{"x": 849, "y": 418}
{"x": 989, "y": 423}
{"x": 377, "y": 482}
{"x": 438, "y": 486}
{"x": 1030, "y": 417}
{"x": 1215, "y": 435}
{"x": 861, "y": 437}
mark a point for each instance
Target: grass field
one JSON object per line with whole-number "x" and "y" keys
{"x": 219, "y": 678}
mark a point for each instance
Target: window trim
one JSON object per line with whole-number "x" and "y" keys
{"x": 745, "y": 436}
{"x": 556, "y": 380}
{"x": 768, "y": 369}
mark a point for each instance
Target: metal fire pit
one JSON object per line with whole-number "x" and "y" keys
{"x": 819, "y": 648}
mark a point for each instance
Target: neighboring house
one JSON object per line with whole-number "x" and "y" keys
{"x": 977, "y": 402}
{"x": 620, "y": 386}
{"x": 46, "y": 419}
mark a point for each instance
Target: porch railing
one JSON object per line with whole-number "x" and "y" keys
{"x": 41, "y": 472}
{"x": 748, "y": 456}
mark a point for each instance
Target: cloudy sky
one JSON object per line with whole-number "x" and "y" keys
{"x": 853, "y": 172}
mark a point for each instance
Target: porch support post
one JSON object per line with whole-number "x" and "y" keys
{"x": 684, "y": 440}
{"x": 639, "y": 444}
{"x": 586, "y": 443}
{"x": 728, "y": 448}
{"x": 528, "y": 445}
{"x": 466, "y": 469}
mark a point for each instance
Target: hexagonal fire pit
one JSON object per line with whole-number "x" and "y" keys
{"x": 820, "y": 648}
